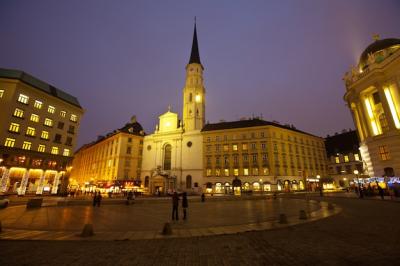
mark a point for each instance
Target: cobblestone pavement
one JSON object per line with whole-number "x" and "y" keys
{"x": 366, "y": 232}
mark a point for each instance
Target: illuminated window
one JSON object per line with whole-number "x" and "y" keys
{"x": 226, "y": 147}
{"x": 244, "y": 146}
{"x": 383, "y": 122}
{"x": 1, "y": 93}
{"x": 235, "y": 172}
{"x": 265, "y": 171}
{"x": 356, "y": 157}
{"x": 198, "y": 98}
{"x": 208, "y": 172}
{"x": 14, "y": 127}
{"x": 30, "y": 131}
{"x": 54, "y": 150}
{"x": 41, "y": 148}
{"x": 26, "y": 145}
{"x": 226, "y": 172}
{"x": 48, "y": 122}
{"x": 246, "y": 171}
{"x": 66, "y": 152}
{"x": 234, "y": 147}
{"x": 34, "y": 118}
{"x": 371, "y": 116}
{"x": 45, "y": 135}
{"x": 51, "y": 109}
{"x": 394, "y": 108}
{"x": 73, "y": 118}
{"x": 63, "y": 113}
{"x": 9, "y": 142}
{"x": 217, "y": 172}
{"x": 23, "y": 99}
{"x": 346, "y": 158}
{"x": 384, "y": 153}
{"x": 255, "y": 171}
{"x": 337, "y": 160}
{"x": 19, "y": 113}
{"x": 38, "y": 104}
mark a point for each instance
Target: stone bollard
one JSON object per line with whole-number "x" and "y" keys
{"x": 167, "y": 230}
{"x": 303, "y": 215}
{"x": 331, "y": 206}
{"x": 87, "y": 231}
{"x": 282, "y": 218}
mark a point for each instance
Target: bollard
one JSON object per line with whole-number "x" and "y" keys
{"x": 331, "y": 206}
{"x": 282, "y": 218}
{"x": 87, "y": 230}
{"x": 167, "y": 230}
{"x": 302, "y": 215}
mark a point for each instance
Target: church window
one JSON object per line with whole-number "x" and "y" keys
{"x": 167, "y": 157}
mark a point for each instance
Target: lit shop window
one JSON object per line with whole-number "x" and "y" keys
{"x": 38, "y": 104}
{"x": 356, "y": 157}
{"x": 34, "y": 118}
{"x": 45, "y": 135}
{"x": 23, "y": 99}
{"x": 346, "y": 158}
{"x": 48, "y": 122}
{"x": 19, "y": 113}
{"x": 384, "y": 153}
{"x": 30, "y": 131}
{"x": 9, "y": 142}
{"x": 27, "y": 145}
{"x": 1, "y": 93}
{"x": 66, "y": 152}
{"x": 63, "y": 113}
{"x": 337, "y": 160}
{"x": 14, "y": 127}
{"x": 54, "y": 150}
{"x": 41, "y": 148}
{"x": 74, "y": 118}
{"x": 51, "y": 109}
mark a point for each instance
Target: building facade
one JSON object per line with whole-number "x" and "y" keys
{"x": 373, "y": 96}
{"x": 112, "y": 158}
{"x": 38, "y": 133}
{"x": 172, "y": 155}
{"x": 345, "y": 163}
{"x": 257, "y": 155}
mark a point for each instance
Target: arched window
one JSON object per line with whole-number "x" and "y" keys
{"x": 190, "y": 97}
{"x": 167, "y": 157}
{"x": 146, "y": 181}
{"x": 188, "y": 181}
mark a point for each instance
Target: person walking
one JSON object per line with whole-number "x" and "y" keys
{"x": 175, "y": 204}
{"x": 203, "y": 197}
{"x": 184, "y": 205}
{"x": 381, "y": 192}
{"x": 99, "y": 197}
{"x": 95, "y": 199}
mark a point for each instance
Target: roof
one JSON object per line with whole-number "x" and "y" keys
{"x": 255, "y": 122}
{"x": 195, "y": 55}
{"x": 377, "y": 46}
{"x": 342, "y": 143}
{"x": 39, "y": 84}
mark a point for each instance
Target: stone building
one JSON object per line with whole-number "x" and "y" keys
{"x": 373, "y": 96}
{"x": 38, "y": 133}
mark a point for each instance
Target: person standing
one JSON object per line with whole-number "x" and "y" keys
{"x": 381, "y": 192}
{"x": 99, "y": 197}
{"x": 175, "y": 204}
{"x": 184, "y": 205}
{"x": 95, "y": 199}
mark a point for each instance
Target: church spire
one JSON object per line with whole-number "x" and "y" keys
{"x": 194, "y": 55}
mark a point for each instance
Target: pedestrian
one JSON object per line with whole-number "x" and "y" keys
{"x": 360, "y": 189}
{"x": 321, "y": 192}
{"x": 99, "y": 197}
{"x": 381, "y": 192}
{"x": 203, "y": 197}
{"x": 184, "y": 205}
{"x": 95, "y": 199}
{"x": 175, "y": 204}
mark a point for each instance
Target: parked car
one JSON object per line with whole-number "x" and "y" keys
{"x": 4, "y": 201}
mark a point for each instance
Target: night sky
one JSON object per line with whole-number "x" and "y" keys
{"x": 282, "y": 59}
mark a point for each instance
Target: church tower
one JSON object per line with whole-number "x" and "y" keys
{"x": 194, "y": 91}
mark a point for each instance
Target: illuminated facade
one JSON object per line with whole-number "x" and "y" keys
{"x": 257, "y": 155}
{"x": 116, "y": 156}
{"x": 344, "y": 159}
{"x": 172, "y": 155}
{"x": 38, "y": 132}
{"x": 373, "y": 96}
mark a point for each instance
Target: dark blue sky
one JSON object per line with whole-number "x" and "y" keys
{"x": 282, "y": 59}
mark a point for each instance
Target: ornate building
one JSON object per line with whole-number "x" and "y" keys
{"x": 38, "y": 132}
{"x": 373, "y": 96}
{"x": 113, "y": 160}
{"x": 172, "y": 155}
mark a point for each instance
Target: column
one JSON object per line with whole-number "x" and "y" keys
{"x": 39, "y": 189}
{"x": 366, "y": 123}
{"x": 24, "y": 182}
{"x": 4, "y": 180}
{"x": 56, "y": 182}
